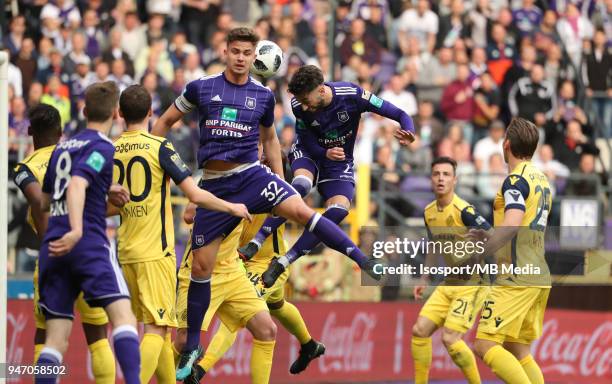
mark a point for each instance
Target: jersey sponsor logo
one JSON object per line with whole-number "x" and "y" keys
{"x": 96, "y": 161}
{"x": 315, "y": 124}
{"x": 21, "y": 176}
{"x": 216, "y": 98}
{"x": 250, "y": 102}
{"x": 299, "y": 124}
{"x": 176, "y": 159}
{"x": 127, "y": 147}
{"x": 376, "y": 101}
{"x": 343, "y": 116}
{"x": 73, "y": 143}
{"x": 229, "y": 114}
{"x": 366, "y": 95}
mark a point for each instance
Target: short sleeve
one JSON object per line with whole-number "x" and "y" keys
{"x": 472, "y": 219}
{"x": 23, "y": 176}
{"x": 93, "y": 160}
{"x": 188, "y": 100}
{"x": 267, "y": 119}
{"x": 515, "y": 191}
{"x": 172, "y": 163}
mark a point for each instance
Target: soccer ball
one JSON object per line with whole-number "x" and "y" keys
{"x": 268, "y": 59}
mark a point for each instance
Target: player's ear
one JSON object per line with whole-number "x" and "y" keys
{"x": 150, "y": 113}
{"x": 120, "y": 113}
{"x": 116, "y": 113}
{"x": 85, "y": 112}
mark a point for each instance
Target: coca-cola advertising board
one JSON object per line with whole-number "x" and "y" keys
{"x": 365, "y": 342}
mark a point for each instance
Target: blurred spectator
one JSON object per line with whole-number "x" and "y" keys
{"x": 421, "y": 23}
{"x": 35, "y": 94}
{"x": 193, "y": 69}
{"x": 454, "y": 144}
{"x": 546, "y": 33}
{"x": 532, "y": 97}
{"x": 455, "y": 26}
{"x": 54, "y": 98}
{"x": 552, "y": 168}
{"x": 500, "y": 53}
{"x": 16, "y": 35}
{"x": 154, "y": 58}
{"x": 414, "y": 59}
{"x": 304, "y": 36}
{"x": 458, "y": 97}
{"x": 479, "y": 17}
{"x": 57, "y": 13}
{"x": 360, "y": 44}
{"x": 79, "y": 81}
{"x": 505, "y": 19}
{"x": 527, "y": 18}
{"x": 568, "y": 148}
{"x": 489, "y": 146}
{"x": 14, "y": 76}
{"x": 44, "y": 54}
{"x": 436, "y": 75}
{"x": 597, "y": 77}
{"x": 18, "y": 121}
{"x": 416, "y": 157}
{"x": 519, "y": 69}
{"x": 55, "y": 68}
{"x": 566, "y": 108}
{"x": 77, "y": 53}
{"x": 573, "y": 28}
{"x": 93, "y": 33}
{"x": 478, "y": 62}
{"x": 557, "y": 66}
{"x": 428, "y": 128}
{"x": 134, "y": 36}
{"x": 375, "y": 26}
{"x": 155, "y": 28}
{"x": 162, "y": 97}
{"x": 589, "y": 182}
{"x": 491, "y": 181}
{"x": 26, "y": 62}
{"x": 119, "y": 75}
{"x": 179, "y": 49}
{"x": 397, "y": 94}
{"x": 601, "y": 18}
{"x": 286, "y": 138}
{"x": 487, "y": 100}
{"x": 114, "y": 51}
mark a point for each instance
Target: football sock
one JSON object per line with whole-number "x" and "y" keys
{"x": 198, "y": 300}
{"x": 125, "y": 341}
{"x": 334, "y": 237}
{"x": 463, "y": 356}
{"x": 150, "y": 350}
{"x": 221, "y": 342}
{"x": 505, "y": 366}
{"x": 48, "y": 357}
{"x": 292, "y": 320}
{"x": 37, "y": 349}
{"x": 421, "y": 354}
{"x": 533, "y": 371}
{"x": 102, "y": 362}
{"x": 261, "y": 361}
{"x": 166, "y": 372}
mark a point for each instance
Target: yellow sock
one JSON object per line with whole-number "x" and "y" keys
{"x": 166, "y": 369}
{"x": 37, "y": 349}
{"x": 176, "y": 354}
{"x": 532, "y": 370}
{"x": 261, "y": 361}
{"x": 505, "y": 366}
{"x": 102, "y": 362}
{"x": 292, "y": 320}
{"x": 150, "y": 349}
{"x": 464, "y": 358}
{"x": 220, "y": 343}
{"x": 421, "y": 353}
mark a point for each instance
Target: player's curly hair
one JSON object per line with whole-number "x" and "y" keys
{"x": 305, "y": 80}
{"x": 523, "y": 136}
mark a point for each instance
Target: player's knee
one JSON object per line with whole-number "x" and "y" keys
{"x": 481, "y": 347}
{"x": 267, "y": 332}
{"x": 180, "y": 339}
{"x": 201, "y": 269}
{"x": 302, "y": 185}
{"x": 419, "y": 330}
{"x": 450, "y": 337}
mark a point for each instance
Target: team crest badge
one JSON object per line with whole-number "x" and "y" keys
{"x": 343, "y": 116}
{"x": 250, "y": 103}
{"x": 199, "y": 240}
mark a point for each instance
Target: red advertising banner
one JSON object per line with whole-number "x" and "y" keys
{"x": 365, "y": 342}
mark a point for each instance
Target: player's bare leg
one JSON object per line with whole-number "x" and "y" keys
{"x": 198, "y": 300}
{"x": 421, "y": 347}
{"x": 501, "y": 361}
{"x": 310, "y": 349}
{"x": 302, "y": 183}
{"x": 294, "y": 208}
{"x": 523, "y": 353}
{"x": 125, "y": 338}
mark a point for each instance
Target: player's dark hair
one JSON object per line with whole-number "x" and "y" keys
{"x": 44, "y": 120}
{"x": 134, "y": 104}
{"x": 101, "y": 101}
{"x": 242, "y": 34}
{"x": 306, "y": 79}
{"x": 523, "y": 136}
{"x": 445, "y": 160}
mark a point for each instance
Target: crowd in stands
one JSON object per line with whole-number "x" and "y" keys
{"x": 461, "y": 68}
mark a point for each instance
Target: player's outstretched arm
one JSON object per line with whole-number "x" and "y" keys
{"x": 205, "y": 199}
{"x": 272, "y": 149}
{"x": 75, "y": 201}
{"x": 166, "y": 121}
{"x": 372, "y": 103}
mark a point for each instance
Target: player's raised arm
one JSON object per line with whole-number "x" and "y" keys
{"x": 372, "y": 103}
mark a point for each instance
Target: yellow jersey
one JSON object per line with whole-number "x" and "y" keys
{"x": 526, "y": 188}
{"x": 273, "y": 246}
{"x": 144, "y": 164}
{"x": 448, "y": 225}
{"x": 33, "y": 169}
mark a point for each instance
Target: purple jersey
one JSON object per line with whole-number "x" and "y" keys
{"x": 336, "y": 125}
{"x": 88, "y": 154}
{"x": 229, "y": 116}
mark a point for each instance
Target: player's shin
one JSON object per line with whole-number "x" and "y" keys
{"x": 221, "y": 342}
{"x": 505, "y": 366}
{"x": 464, "y": 358}
{"x": 150, "y": 350}
{"x": 198, "y": 300}
{"x": 261, "y": 361}
{"x": 165, "y": 371}
{"x": 102, "y": 362}
{"x": 421, "y": 354}
{"x": 334, "y": 237}
{"x": 532, "y": 369}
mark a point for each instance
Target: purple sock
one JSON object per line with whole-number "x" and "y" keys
{"x": 308, "y": 240}
{"x": 268, "y": 227}
{"x": 125, "y": 341}
{"x": 48, "y": 357}
{"x": 198, "y": 300}
{"x": 334, "y": 237}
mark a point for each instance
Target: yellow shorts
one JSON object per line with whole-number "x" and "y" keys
{"x": 270, "y": 295}
{"x": 513, "y": 314}
{"x": 233, "y": 298}
{"x": 89, "y": 315}
{"x": 454, "y": 307}
{"x": 152, "y": 286}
